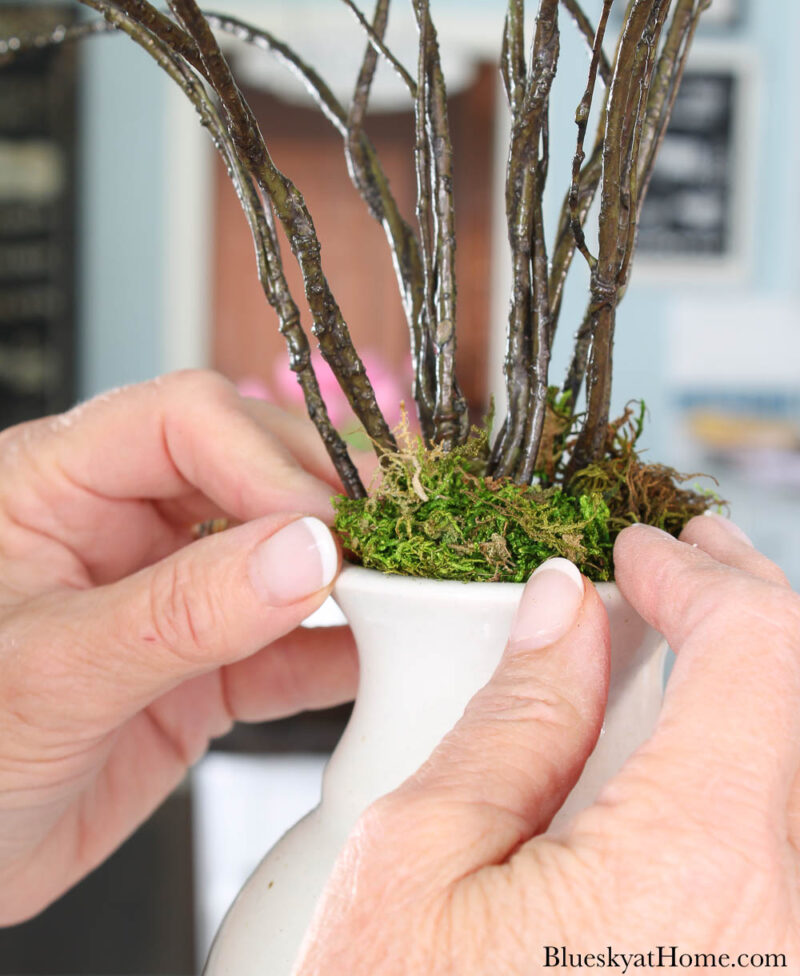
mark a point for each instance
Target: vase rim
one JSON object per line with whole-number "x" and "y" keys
{"x": 371, "y": 581}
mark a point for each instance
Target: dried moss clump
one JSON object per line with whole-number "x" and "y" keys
{"x": 434, "y": 514}
{"x": 639, "y": 492}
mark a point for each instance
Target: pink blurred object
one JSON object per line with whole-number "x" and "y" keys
{"x": 391, "y": 386}
{"x": 252, "y": 386}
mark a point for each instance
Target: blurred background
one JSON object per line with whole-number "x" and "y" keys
{"x": 123, "y": 255}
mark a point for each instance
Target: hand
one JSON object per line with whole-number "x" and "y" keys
{"x": 694, "y": 844}
{"x": 123, "y": 648}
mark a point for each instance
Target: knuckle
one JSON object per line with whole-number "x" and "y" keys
{"x": 185, "y": 611}
{"x": 540, "y": 703}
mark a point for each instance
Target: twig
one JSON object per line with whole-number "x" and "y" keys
{"x": 512, "y": 57}
{"x": 542, "y": 345}
{"x": 626, "y": 100}
{"x": 375, "y": 38}
{"x": 317, "y": 88}
{"x": 582, "y": 120}
{"x": 580, "y": 356}
{"x": 450, "y": 413}
{"x": 159, "y": 25}
{"x": 277, "y": 291}
{"x": 523, "y": 198}
{"x": 422, "y": 164}
{"x": 664, "y": 79}
{"x": 641, "y": 81}
{"x": 373, "y": 185}
{"x": 672, "y": 63}
{"x": 542, "y": 335}
{"x": 329, "y": 326}
{"x": 565, "y": 245}
{"x": 358, "y": 165}
{"x": 13, "y": 47}
{"x": 270, "y": 270}
{"x": 585, "y": 27}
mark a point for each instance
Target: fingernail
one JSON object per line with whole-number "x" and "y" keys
{"x": 297, "y": 561}
{"x": 731, "y": 527}
{"x": 550, "y": 603}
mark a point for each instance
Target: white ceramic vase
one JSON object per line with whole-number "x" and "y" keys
{"x": 425, "y": 648}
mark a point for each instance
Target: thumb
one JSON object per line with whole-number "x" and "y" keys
{"x": 507, "y": 766}
{"x": 102, "y": 654}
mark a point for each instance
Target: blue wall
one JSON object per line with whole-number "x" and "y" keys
{"x": 121, "y": 235}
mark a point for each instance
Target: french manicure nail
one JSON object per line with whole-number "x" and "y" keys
{"x": 731, "y": 527}
{"x": 550, "y": 603}
{"x": 298, "y": 560}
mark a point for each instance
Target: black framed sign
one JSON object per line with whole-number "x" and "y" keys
{"x": 698, "y": 215}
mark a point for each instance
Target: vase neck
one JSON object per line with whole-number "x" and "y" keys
{"x": 425, "y": 648}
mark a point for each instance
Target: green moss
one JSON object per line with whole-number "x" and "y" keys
{"x": 436, "y": 515}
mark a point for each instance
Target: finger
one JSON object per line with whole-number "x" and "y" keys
{"x": 505, "y": 769}
{"x": 94, "y": 658}
{"x": 160, "y": 440}
{"x": 301, "y": 438}
{"x": 730, "y": 724}
{"x": 307, "y": 669}
{"x": 726, "y": 542}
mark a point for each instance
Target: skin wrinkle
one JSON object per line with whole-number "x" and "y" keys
{"x": 171, "y": 742}
{"x": 69, "y": 581}
{"x": 181, "y": 613}
{"x": 66, "y": 515}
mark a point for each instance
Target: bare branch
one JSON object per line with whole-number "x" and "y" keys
{"x": 358, "y": 163}
{"x": 317, "y": 88}
{"x": 329, "y": 326}
{"x": 422, "y": 162}
{"x": 565, "y": 245}
{"x": 585, "y": 27}
{"x": 624, "y": 115}
{"x": 371, "y": 182}
{"x": 644, "y": 66}
{"x": 276, "y": 289}
{"x": 355, "y": 118}
{"x": 580, "y": 358}
{"x": 664, "y": 79}
{"x": 512, "y": 58}
{"x": 269, "y": 265}
{"x": 542, "y": 345}
{"x": 523, "y": 199}
{"x": 375, "y": 38}
{"x": 582, "y": 120}
{"x": 13, "y": 47}
{"x": 669, "y": 75}
{"x": 450, "y": 414}
{"x": 145, "y": 15}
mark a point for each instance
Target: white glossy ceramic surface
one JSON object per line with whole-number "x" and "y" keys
{"x": 425, "y": 648}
